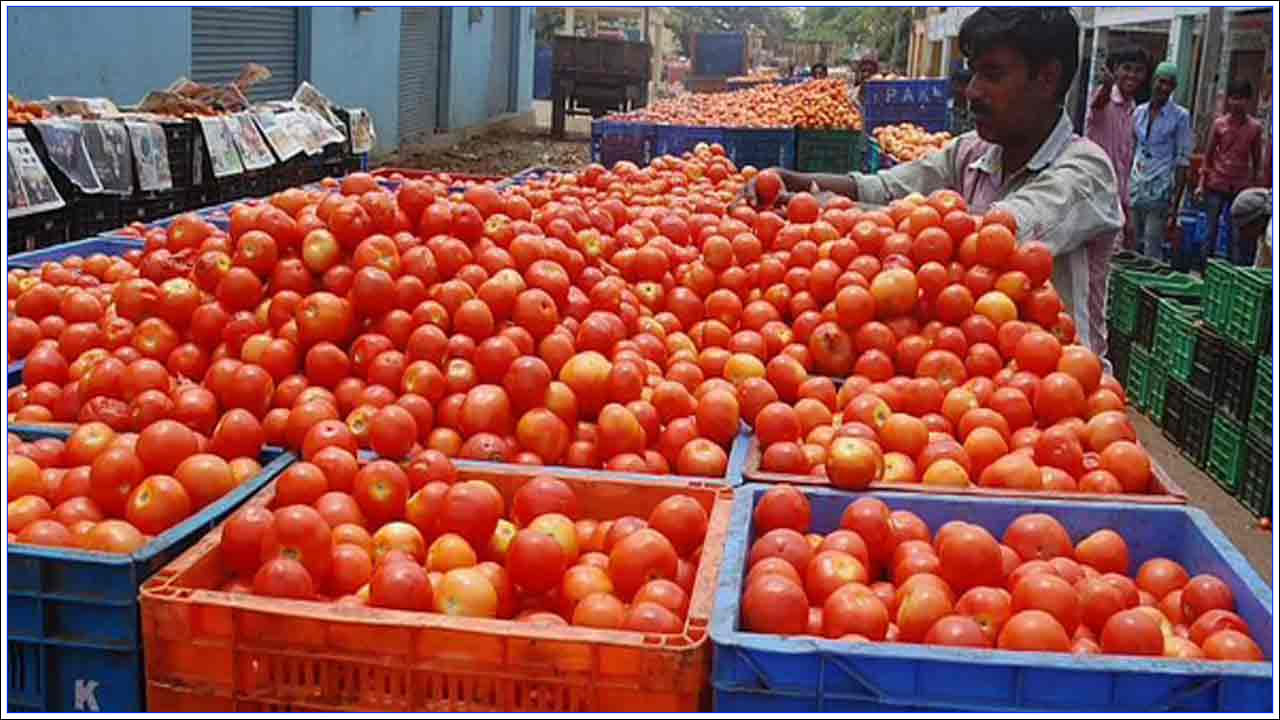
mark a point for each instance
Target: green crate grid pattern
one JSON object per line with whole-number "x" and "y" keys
{"x": 1226, "y": 452}
{"x": 1139, "y": 376}
{"x": 829, "y": 151}
{"x": 1249, "y": 307}
{"x": 1175, "y": 343}
{"x": 1157, "y": 381}
{"x": 1255, "y": 475}
{"x": 1260, "y": 417}
{"x": 1219, "y": 279}
{"x": 1123, "y": 288}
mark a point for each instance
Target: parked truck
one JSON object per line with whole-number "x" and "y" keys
{"x": 597, "y": 76}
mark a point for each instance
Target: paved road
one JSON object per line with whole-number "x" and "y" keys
{"x": 1235, "y": 522}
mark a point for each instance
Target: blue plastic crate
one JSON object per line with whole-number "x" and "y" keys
{"x": 612, "y": 142}
{"x": 537, "y": 172}
{"x": 769, "y": 673}
{"x": 923, "y": 102}
{"x": 761, "y": 148}
{"x": 679, "y": 139}
{"x": 75, "y": 638}
{"x": 113, "y": 246}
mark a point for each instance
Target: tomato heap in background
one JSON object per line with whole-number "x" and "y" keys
{"x": 822, "y": 104}
{"x": 882, "y": 577}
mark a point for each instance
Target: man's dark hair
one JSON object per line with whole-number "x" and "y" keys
{"x": 1240, "y": 89}
{"x": 1041, "y": 35}
{"x": 1129, "y": 54}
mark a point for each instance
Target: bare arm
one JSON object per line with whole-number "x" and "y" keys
{"x": 1208, "y": 160}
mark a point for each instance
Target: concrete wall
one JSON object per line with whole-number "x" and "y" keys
{"x": 123, "y": 52}
{"x": 115, "y": 52}
{"x": 355, "y": 61}
{"x": 472, "y": 44}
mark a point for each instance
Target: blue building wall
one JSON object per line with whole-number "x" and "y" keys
{"x": 124, "y": 52}
{"x": 118, "y": 53}
{"x": 469, "y": 73}
{"x": 355, "y": 61}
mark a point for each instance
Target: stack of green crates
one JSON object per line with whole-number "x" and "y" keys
{"x": 1137, "y": 384}
{"x": 1175, "y": 340}
{"x": 1226, "y": 452}
{"x": 1237, "y": 305}
{"x": 1260, "y": 416}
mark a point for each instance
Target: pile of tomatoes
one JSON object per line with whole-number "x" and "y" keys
{"x": 961, "y": 364}
{"x": 420, "y": 538}
{"x": 905, "y": 142}
{"x": 823, "y": 104}
{"x": 112, "y": 492}
{"x": 882, "y": 576}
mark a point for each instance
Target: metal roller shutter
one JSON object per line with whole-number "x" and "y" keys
{"x": 224, "y": 39}
{"x": 419, "y": 72}
{"x": 499, "y": 98}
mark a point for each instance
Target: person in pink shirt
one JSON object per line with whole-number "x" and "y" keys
{"x": 1110, "y": 120}
{"x": 1232, "y": 162}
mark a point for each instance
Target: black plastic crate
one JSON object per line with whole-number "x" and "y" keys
{"x": 199, "y": 196}
{"x": 331, "y": 167}
{"x": 1197, "y": 428}
{"x": 1206, "y": 362}
{"x": 180, "y": 146}
{"x": 345, "y": 117}
{"x": 1174, "y": 418}
{"x": 232, "y": 187}
{"x": 258, "y": 183}
{"x": 355, "y": 164}
{"x": 93, "y": 214}
{"x": 1233, "y": 384}
{"x": 41, "y": 230}
{"x": 1255, "y": 479}
{"x": 1118, "y": 350}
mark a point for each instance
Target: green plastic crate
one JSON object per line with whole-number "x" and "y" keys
{"x": 829, "y": 151}
{"x": 1139, "y": 376}
{"x": 1255, "y": 476}
{"x": 1157, "y": 381}
{"x": 1175, "y": 342}
{"x": 1123, "y": 289}
{"x": 1219, "y": 281}
{"x": 1226, "y": 452}
{"x": 1249, "y": 312}
{"x": 1260, "y": 417}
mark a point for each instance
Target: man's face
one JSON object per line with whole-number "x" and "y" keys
{"x": 1129, "y": 77}
{"x": 1007, "y": 99}
{"x": 1237, "y": 105}
{"x": 1162, "y": 89}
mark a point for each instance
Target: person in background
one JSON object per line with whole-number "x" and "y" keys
{"x": 819, "y": 71}
{"x": 1110, "y": 119}
{"x": 1232, "y": 162}
{"x": 1024, "y": 158}
{"x": 1252, "y": 223}
{"x": 1162, "y": 154}
{"x": 868, "y": 66}
{"x": 960, "y": 118}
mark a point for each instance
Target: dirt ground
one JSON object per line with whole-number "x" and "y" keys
{"x": 504, "y": 152}
{"x": 1232, "y": 519}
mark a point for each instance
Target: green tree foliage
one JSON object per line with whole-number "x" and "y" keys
{"x": 886, "y": 30}
{"x": 777, "y": 23}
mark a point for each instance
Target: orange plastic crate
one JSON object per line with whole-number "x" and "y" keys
{"x": 207, "y": 650}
